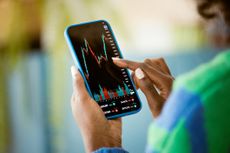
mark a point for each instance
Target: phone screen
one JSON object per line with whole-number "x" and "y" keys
{"x": 110, "y": 86}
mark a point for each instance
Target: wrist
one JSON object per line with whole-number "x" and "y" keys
{"x": 101, "y": 142}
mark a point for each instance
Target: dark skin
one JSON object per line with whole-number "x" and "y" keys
{"x": 157, "y": 77}
{"x": 152, "y": 77}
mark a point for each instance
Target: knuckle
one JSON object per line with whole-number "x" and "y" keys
{"x": 126, "y": 64}
{"x": 143, "y": 66}
{"x": 85, "y": 97}
{"x": 161, "y": 60}
{"x": 78, "y": 77}
{"x": 148, "y": 85}
{"x": 147, "y": 60}
{"x": 168, "y": 81}
{"x": 79, "y": 82}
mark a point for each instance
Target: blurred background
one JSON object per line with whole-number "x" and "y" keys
{"x": 35, "y": 80}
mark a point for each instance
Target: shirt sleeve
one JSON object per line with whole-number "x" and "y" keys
{"x": 110, "y": 150}
{"x": 180, "y": 127}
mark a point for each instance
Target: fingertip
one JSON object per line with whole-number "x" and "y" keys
{"x": 77, "y": 78}
{"x": 74, "y": 72}
{"x": 76, "y": 75}
{"x": 80, "y": 93}
{"x": 116, "y": 58}
{"x": 119, "y": 62}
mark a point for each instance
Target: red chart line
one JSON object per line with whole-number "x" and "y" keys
{"x": 88, "y": 49}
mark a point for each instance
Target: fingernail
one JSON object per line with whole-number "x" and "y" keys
{"x": 139, "y": 73}
{"x": 116, "y": 58}
{"x": 73, "y": 72}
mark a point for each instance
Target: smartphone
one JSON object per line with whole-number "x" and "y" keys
{"x": 92, "y": 46}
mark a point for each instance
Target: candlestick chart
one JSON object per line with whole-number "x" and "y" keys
{"x": 105, "y": 79}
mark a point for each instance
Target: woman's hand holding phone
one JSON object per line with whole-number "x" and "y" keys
{"x": 150, "y": 76}
{"x": 153, "y": 77}
{"x": 95, "y": 129}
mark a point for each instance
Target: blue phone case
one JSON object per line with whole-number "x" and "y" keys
{"x": 77, "y": 63}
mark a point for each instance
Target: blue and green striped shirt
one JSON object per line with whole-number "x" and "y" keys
{"x": 195, "y": 117}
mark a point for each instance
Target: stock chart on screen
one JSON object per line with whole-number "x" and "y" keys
{"x": 110, "y": 85}
{"x": 103, "y": 92}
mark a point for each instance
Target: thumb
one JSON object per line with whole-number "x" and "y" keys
{"x": 83, "y": 106}
{"x": 155, "y": 101}
{"x": 79, "y": 85}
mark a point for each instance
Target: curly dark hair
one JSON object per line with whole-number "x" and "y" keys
{"x": 208, "y": 9}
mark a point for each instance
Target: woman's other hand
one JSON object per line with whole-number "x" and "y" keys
{"x": 153, "y": 77}
{"x": 95, "y": 129}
